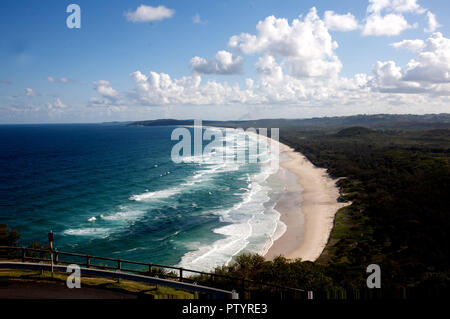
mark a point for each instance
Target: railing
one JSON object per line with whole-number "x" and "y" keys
{"x": 215, "y": 293}
{"x": 241, "y": 285}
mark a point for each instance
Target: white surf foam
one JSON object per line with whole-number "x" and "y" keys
{"x": 102, "y": 232}
{"x": 252, "y": 225}
{"x": 209, "y": 165}
{"x": 124, "y": 215}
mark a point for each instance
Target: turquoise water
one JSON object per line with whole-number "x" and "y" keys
{"x": 113, "y": 190}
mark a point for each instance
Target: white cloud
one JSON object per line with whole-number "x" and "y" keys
{"x": 65, "y": 80}
{"x": 389, "y": 79}
{"x": 428, "y": 72}
{"x": 376, "y": 6}
{"x": 268, "y": 69}
{"x": 385, "y": 17}
{"x": 340, "y": 22}
{"x": 56, "y": 104}
{"x": 272, "y": 88}
{"x": 31, "y": 92}
{"x": 297, "y": 66}
{"x": 387, "y": 73}
{"x": 390, "y": 25}
{"x": 109, "y": 97}
{"x": 147, "y": 14}
{"x": 161, "y": 89}
{"x": 223, "y": 63}
{"x": 432, "y": 23}
{"x": 432, "y": 64}
{"x": 305, "y": 45}
{"x": 412, "y": 45}
{"x": 104, "y": 89}
{"x": 198, "y": 20}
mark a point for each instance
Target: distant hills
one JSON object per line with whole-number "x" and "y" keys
{"x": 378, "y": 121}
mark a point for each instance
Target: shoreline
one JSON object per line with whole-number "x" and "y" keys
{"x": 308, "y": 207}
{"x": 318, "y": 207}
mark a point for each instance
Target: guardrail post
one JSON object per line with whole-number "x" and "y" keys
{"x": 119, "y": 265}
{"x": 88, "y": 261}
{"x": 23, "y": 254}
{"x": 150, "y": 266}
{"x": 56, "y": 256}
{"x": 181, "y": 274}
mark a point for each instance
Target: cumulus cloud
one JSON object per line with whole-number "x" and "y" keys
{"x": 432, "y": 23}
{"x": 148, "y": 13}
{"x": 31, "y": 92}
{"x": 428, "y": 72}
{"x": 390, "y": 25}
{"x": 268, "y": 69}
{"x": 109, "y": 97}
{"x": 385, "y": 17}
{"x": 305, "y": 45}
{"x": 340, "y": 22}
{"x": 376, "y": 6}
{"x": 412, "y": 45}
{"x": 296, "y": 66}
{"x": 51, "y": 79}
{"x": 223, "y": 63}
{"x": 104, "y": 89}
{"x": 157, "y": 89}
{"x": 56, "y": 104}
{"x": 387, "y": 73}
{"x": 432, "y": 64}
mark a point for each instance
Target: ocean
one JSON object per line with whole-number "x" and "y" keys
{"x": 114, "y": 191}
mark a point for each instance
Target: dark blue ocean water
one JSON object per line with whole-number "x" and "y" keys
{"x": 113, "y": 190}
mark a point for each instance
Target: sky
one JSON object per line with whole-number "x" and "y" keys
{"x": 224, "y": 60}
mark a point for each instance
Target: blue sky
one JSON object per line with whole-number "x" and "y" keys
{"x": 314, "y": 69}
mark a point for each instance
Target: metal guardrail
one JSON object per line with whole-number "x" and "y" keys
{"x": 239, "y": 284}
{"x": 216, "y": 293}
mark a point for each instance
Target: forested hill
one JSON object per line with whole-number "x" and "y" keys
{"x": 379, "y": 121}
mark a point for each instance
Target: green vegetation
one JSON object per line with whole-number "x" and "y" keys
{"x": 398, "y": 182}
{"x": 395, "y": 170}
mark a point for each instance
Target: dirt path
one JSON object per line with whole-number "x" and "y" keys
{"x": 30, "y": 290}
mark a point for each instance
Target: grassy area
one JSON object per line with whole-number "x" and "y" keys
{"x": 124, "y": 286}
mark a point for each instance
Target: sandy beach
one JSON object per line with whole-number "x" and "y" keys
{"x": 309, "y": 219}
{"x": 307, "y": 207}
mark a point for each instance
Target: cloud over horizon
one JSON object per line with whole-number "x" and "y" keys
{"x": 297, "y": 65}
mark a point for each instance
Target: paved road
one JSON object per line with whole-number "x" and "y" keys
{"x": 32, "y": 290}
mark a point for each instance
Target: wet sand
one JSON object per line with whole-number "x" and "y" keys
{"x": 308, "y": 216}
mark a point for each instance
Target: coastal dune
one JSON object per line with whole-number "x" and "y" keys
{"x": 309, "y": 224}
